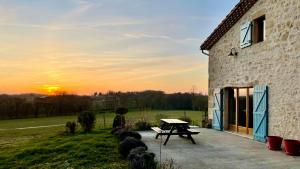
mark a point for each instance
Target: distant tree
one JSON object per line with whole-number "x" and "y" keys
{"x": 19, "y": 106}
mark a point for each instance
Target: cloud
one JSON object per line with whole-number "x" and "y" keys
{"x": 81, "y": 7}
{"x": 168, "y": 72}
{"x": 194, "y": 39}
{"x": 26, "y": 25}
{"x": 144, "y": 35}
{"x": 80, "y": 26}
{"x": 204, "y": 18}
{"x": 178, "y": 40}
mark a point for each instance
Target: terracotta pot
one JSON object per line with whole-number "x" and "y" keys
{"x": 299, "y": 146}
{"x": 274, "y": 142}
{"x": 292, "y": 147}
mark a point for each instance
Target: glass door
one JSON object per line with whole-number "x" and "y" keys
{"x": 240, "y": 110}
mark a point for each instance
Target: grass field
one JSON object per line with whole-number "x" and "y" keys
{"x": 51, "y": 148}
{"x": 151, "y": 116}
{"x": 97, "y": 149}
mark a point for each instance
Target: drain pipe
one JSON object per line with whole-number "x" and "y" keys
{"x": 207, "y": 54}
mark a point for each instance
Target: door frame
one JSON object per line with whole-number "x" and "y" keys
{"x": 236, "y": 128}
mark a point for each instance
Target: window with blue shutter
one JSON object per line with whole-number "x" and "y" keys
{"x": 260, "y": 113}
{"x": 218, "y": 110}
{"x": 246, "y": 35}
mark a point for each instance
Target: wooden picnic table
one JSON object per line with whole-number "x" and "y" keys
{"x": 178, "y": 127}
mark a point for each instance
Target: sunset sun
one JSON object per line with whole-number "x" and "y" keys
{"x": 51, "y": 89}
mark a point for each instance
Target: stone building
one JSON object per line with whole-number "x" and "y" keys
{"x": 254, "y": 70}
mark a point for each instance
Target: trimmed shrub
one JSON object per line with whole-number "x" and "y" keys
{"x": 121, "y": 110}
{"x": 142, "y": 126}
{"x": 139, "y": 158}
{"x": 119, "y": 121}
{"x": 130, "y": 143}
{"x": 87, "y": 120}
{"x": 71, "y": 127}
{"x": 124, "y": 134}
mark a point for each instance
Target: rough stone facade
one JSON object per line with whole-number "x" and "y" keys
{"x": 275, "y": 62}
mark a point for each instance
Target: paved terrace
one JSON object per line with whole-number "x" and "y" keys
{"x": 220, "y": 150}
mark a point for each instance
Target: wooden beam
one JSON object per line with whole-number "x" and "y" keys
{"x": 237, "y": 110}
{"x": 247, "y": 111}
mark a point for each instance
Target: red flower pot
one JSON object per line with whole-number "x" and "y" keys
{"x": 274, "y": 142}
{"x": 299, "y": 146}
{"x": 292, "y": 147}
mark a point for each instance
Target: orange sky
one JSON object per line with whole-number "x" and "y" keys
{"x": 94, "y": 46}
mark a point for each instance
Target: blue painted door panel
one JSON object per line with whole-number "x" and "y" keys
{"x": 260, "y": 113}
{"x": 218, "y": 110}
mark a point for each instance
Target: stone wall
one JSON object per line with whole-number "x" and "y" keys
{"x": 274, "y": 62}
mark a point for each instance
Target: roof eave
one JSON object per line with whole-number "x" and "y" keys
{"x": 230, "y": 20}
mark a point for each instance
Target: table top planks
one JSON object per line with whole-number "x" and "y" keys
{"x": 174, "y": 121}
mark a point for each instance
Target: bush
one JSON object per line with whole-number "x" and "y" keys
{"x": 142, "y": 125}
{"x": 123, "y": 134}
{"x": 71, "y": 127}
{"x": 129, "y": 124}
{"x": 121, "y": 110}
{"x": 139, "y": 158}
{"x": 128, "y": 144}
{"x": 87, "y": 120}
{"x": 119, "y": 121}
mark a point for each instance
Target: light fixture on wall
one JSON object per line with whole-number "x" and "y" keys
{"x": 233, "y": 52}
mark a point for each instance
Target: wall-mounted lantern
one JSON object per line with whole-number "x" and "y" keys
{"x": 233, "y": 52}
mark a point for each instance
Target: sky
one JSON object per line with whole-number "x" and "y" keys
{"x": 86, "y": 46}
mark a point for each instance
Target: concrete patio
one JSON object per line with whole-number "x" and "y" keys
{"x": 219, "y": 150}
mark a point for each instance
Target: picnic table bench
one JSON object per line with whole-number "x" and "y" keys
{"x": 178, "y": 127}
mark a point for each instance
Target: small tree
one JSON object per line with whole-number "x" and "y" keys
{"x": 119, "y": 120}
{"x": 121, "y": 110}
{"x": 87, "y": 120}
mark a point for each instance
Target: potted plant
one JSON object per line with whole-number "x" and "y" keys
{"x": 292, "y": 147}
{"x": 274, "y": 142}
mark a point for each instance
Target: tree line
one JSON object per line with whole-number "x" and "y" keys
{"x": 25, "y": 106}
{"x": 151, "y": 99}
{"x": 34, "y": 105}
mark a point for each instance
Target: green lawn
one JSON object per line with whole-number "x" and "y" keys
{"x": 132, "y": 116}
{"x": 51, "y": 148}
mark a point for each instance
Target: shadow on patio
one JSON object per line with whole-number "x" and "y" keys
{"x": 219, "y": 150}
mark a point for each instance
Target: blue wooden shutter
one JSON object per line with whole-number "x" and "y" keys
{"x": 218, "y": 110}
{"x": 246, "y": 35}
{"x": 260, "y": 113}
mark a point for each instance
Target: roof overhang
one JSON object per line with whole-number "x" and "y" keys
{"x": 235, "y": 14}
